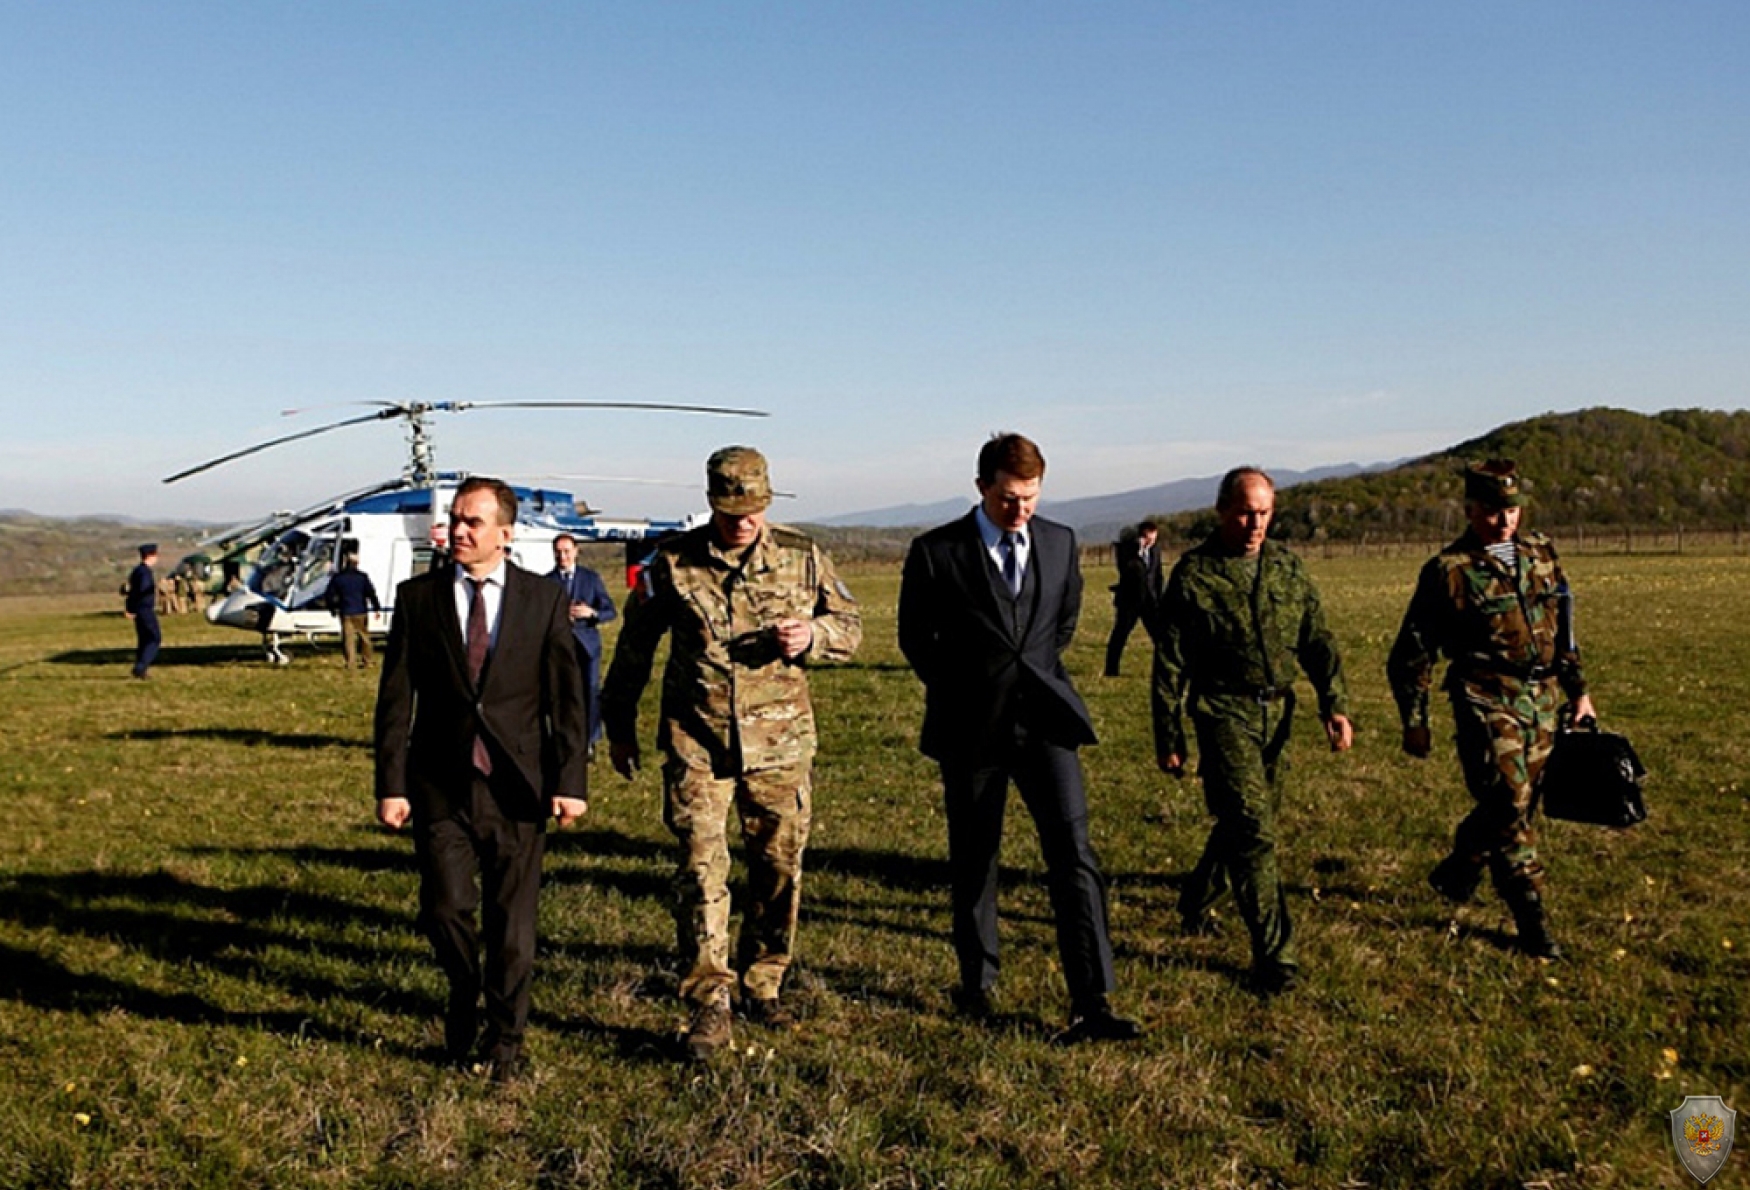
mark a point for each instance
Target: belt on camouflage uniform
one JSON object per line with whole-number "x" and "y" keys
{"x": 1261, "y": 695}
{"x": 1525, "y": 673}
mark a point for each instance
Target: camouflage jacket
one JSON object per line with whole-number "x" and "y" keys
{"x": 729, "y": 699}
{"x": 1501, "y": 631}
{"x": 1228, "y": 630}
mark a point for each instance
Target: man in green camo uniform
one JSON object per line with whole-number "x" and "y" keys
{"x": 745, "y": 604}
{"x": 1494, "y": 602}
{"x": 1239, "y": 615}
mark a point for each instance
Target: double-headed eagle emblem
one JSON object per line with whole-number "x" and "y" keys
{"x": 1702, "y": 1133}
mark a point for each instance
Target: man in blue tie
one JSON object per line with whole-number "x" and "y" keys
{"x": 591, "y": 607}
{"x": 987, "y": 605}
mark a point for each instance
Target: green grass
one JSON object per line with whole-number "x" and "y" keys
{"x": 209, "y": 975}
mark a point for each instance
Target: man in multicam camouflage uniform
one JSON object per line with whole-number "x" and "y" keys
{"x": 746, "y": 604}
{"x": 1494, "y": 602}
{"x": 1239, "y": 615}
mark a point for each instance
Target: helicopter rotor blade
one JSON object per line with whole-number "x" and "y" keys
{"x": 339, "y": 405}
{"x": 645, "y": 405}
{"x": 260, "y": 446}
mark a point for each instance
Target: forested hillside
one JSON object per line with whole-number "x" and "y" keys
{"x": 1603, "y": 467}
{"x": 49, "y": 555}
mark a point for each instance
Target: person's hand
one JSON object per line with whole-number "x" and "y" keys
{"x": 624, "y": 757}
{"x": 567, "y": 810}
{"x": 1584, "y": 709}
{"x": 1340, "y": 732}
{"x": 794, "y": 636}
{"x": 393, "y": 812}
{"x": 582, "y": 611}
{"x": 1418, "y": 742}
{"x": 1172, "y": 764}
{"x": 129, "y": 615}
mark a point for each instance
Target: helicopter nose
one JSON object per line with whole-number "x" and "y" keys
{"x": 236, "y": 610}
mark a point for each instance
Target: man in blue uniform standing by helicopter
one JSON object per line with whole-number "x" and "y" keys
{"x": 141, "y": 606}
{"x": 591, "y": 607}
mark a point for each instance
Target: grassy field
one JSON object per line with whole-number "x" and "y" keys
{"x": 209, "y": 975}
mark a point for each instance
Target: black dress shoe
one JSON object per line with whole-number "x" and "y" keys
{"x": 508, "y": 1068}
{"x": 1096, "y": 1021}
{"x": 1274, "y": 981}
{"x": 975, "y": 1004}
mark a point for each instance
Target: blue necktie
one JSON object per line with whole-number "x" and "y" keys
{"x": 1012, "y": 562}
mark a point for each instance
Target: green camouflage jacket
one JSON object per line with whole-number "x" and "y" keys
{"x": 1501, "y": 631}
{"x": 1229, "y": 629}
{"x": 729, "y": 700}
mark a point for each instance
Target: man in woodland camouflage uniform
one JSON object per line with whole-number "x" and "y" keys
{"x": 1239, "y": 615}
{"x": 745, "y": 603}
{"x": 1495, "y": 603}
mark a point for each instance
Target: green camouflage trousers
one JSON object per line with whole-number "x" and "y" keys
{"x": 775, "y": 807}
{"x": 1242, "y": 764}
{"x": 1504, "y": 736}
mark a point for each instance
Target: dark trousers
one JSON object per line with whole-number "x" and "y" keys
{"x": 1124, "y": 618}
{"x": 591, "y": 665}
{"x": 147, "y": 638}
{"x": 479, "y": 859}
{"x": 1049, "y": 779}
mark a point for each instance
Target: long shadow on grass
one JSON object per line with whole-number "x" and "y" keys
{"x": 171, "y": 655}
{"x": 249, "y": 737}
{"x": 259, "y": 935}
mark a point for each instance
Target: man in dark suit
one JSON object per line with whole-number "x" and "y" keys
{"x": 481, "y": 736}
{"x": 1138, "y": 586}
{"x": 987, "y": 606}
{"x": 140, "y": 594}
{"x": 591, "y": 607}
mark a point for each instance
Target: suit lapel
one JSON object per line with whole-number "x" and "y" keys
{"x": 1040, "y": 557}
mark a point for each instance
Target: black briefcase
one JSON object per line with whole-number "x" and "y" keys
{"x": 1593, "y": 776}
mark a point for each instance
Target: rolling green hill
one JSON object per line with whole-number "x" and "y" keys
{"x": 42, "y": 555}
{"x": 1598, "y": 467}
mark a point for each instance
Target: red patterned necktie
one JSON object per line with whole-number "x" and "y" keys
{"x": 479, "y": 640}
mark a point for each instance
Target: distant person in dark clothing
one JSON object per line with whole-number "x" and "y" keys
{"x": 141, "y": 595}
{"x": 591, "y": 607}
{"x": 352, "y": 596}
{"x": 1137, "y": 588}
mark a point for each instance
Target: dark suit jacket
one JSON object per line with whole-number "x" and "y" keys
{"x": 530, "y": 707}
{"x": 587, "y": 587}
{"x": 1139, "y": 582}
{"x": 985, "y": 667}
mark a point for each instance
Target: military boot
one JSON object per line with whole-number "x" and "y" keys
{"x": 709, "y": 1029}
{"x": 1455, "y": 880}
{"x": 1534, "y": 939}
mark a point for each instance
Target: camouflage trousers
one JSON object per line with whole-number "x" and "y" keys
{"x": 775, "y": 809}
{"x": 1241, "y": 760}
{"x": 1504, "y": 736}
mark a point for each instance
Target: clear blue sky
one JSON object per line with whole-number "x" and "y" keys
{"x": 1160, "y": 238}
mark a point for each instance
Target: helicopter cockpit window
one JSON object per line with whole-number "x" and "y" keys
{"x": 316, "y": 563}
{"x": 279, "y": 563}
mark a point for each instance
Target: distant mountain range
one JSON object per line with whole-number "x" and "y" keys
{"x": 1093, "y": 516}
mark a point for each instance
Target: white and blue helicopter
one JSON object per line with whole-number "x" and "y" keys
{"x": 396, "y": 529}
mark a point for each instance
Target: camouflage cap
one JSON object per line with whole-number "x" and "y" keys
{"x": 1494, "y": 484}
{"x": 736, "y": 481}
